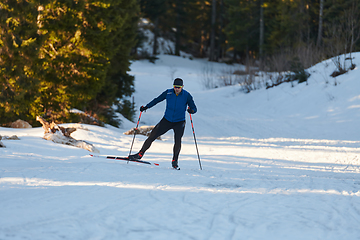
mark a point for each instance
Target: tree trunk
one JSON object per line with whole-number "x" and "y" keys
{"x": 202, "y": 44}
{"x": 354, "y": 26}
{"x": 178, "y": 28}
{"x": 221, "y": 35}
{"x": 156, "y": 34}
{"x": 261, "y": 40}
{"x": 212, "y": 36}
{"x": 319, "y": 38}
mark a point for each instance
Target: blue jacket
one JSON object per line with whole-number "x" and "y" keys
{"x": 175, "y": 105}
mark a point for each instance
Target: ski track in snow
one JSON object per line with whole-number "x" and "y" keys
{"x": 269, "y": 172}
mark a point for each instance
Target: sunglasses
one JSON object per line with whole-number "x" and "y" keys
{"x": 176, "y": 86}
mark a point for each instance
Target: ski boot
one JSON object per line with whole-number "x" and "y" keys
{"x": 136, "y": 156}
{"x": 175, "y": 164}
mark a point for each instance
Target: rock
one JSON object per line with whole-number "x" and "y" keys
{"x": 1, "y": 144}
{"x": 13, "y": 137}
{"x": 20, "y": 124}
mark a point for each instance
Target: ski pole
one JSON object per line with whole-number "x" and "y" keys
{"x": 135, "y": 133}
{"x": 192, "y": 125}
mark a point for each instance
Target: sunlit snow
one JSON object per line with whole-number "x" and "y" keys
{"x": 281, "y": 163}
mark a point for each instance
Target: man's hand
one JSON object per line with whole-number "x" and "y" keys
{"x": 190, "y": 111}
{"x": 142, "y": 108}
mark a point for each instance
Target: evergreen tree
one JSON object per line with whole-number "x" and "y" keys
{"x": 73, "y": 67}
{"x": 19, "y": 62}
{"x": 285, "y": 27}
{"x": 243, "y": 28}
{"x": 154, "y": 10}
{"x": 64, "y": 54}
{"x": 197, "y": 27}
{"x": 121, "y": 19}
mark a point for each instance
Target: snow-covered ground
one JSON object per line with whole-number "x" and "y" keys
{"x": 281, "y": 163}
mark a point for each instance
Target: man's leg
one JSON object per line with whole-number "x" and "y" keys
{"x": 161, "y": 128}
{"x": 178, "y": 128}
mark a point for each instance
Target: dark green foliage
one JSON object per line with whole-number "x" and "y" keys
{"x": 243, "y": 27}
{"x": 119, "y": 84}
{"x": 57, "y": 55}
{"x": 126, "y": 108}
{"x": 288, "y": 23}
{"x": 19, "y": 45}
{"x": 139, "y": 39}
{"x": 297, "y": 68}
{"x": 301, "y": 76}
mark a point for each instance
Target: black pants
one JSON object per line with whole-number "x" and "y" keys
{"x": 161, "y": 128}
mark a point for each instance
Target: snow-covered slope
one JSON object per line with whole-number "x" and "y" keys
{"x": 281, "y": 163}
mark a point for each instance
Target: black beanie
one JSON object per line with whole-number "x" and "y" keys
{"x": 178, "y": 82}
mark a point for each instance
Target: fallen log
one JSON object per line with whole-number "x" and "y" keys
{"x": 143, "y": 130}
{"x": 61, "y": 135}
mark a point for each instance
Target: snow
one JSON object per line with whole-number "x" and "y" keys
{"x": 281, "y": 163}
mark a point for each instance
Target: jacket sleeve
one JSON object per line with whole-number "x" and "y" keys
{"x": 191, "y": 103}
{"x": 158, "y": 99}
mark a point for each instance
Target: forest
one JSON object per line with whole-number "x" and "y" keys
{"x": 59, "y": 55}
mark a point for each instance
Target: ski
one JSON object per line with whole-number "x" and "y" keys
{"x": 125, "y": 159}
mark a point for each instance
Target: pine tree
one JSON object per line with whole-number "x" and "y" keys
{"x": 19, "y": 62}
{"x": 154, "y": 10}
{"x": 197, "y": 28}
{"x": 243, "y": 28}
{"x": 118, "y": 83}
{"x": 74, "y": 66}
{"x": 62, "y": 54}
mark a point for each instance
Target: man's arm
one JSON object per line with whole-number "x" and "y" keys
{"x": 158, "y": 99}
{"x": 191, "y": 104}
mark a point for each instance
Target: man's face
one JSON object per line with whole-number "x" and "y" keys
{"x": 177, "y": 89}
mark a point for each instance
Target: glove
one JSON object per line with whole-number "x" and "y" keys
{"x": 142, "y": 108}
{"x": 190, "y": 111}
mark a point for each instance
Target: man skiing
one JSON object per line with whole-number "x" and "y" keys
{"x": 177, "y": 100}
